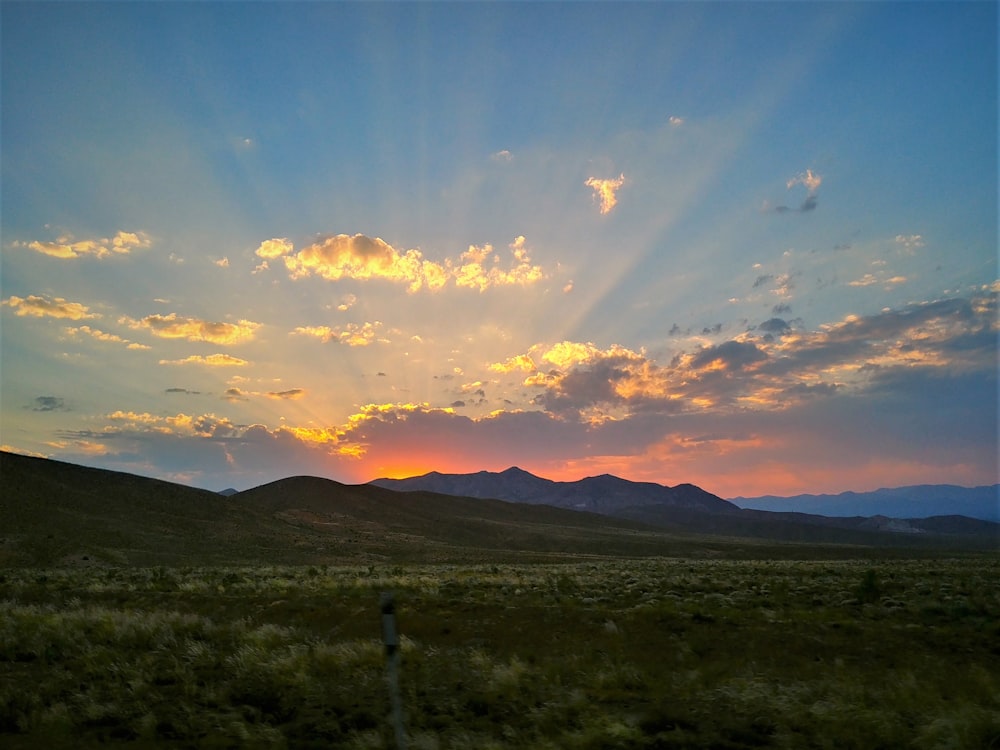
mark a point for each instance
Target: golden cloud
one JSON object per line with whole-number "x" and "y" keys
{"x": 274, "y": 248}
{"x": 521, "y": 362}
{"x": 64, "y": 247}
{"x": 472, "y": 273}
{"x": 212, "y": 360}
{"x": 364, "y": 258}
{"x": 42, "y": 307}
{"x": 352, "y": 334}
{"x": 605, "y": 191}
{"x": 104, "y": 336}
{"x": 361, "y": 257}
{"x": 173, "y": 326}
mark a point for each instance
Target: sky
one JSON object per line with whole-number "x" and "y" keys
{"x": 749, "y": 246}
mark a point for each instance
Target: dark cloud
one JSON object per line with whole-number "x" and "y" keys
{"x": 763, "y": 279}
{"x": 234, "y": 394}
{"x": 809, "y": 204}
{"x": 781, "y": 308}
{"x": 717, "y": 328}
{"x": 734, "y": 355}
{"x": 48, "y": 403}
{"x": 182, "y": 390}
{"x": 290, "y": 393}
{"x": 775, "y": 325}
{"x": 457, "y": 404}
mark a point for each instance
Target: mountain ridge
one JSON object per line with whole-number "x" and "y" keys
{"x": 604, "y": 493}
{"x": 57, "y": 513}
{"x": 910, "y": 501}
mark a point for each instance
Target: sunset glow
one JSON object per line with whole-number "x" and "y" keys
{"x": 724, "y": 244}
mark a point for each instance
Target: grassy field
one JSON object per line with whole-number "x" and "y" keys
{"x": 651, "y": 653}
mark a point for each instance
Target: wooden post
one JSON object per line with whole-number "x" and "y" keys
{"x": 391, "y": 640}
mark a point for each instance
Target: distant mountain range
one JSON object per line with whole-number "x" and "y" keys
{"x": 609, "y": 495}
{"x": 689, "y": 508}
{"x": 602, "y": 494}
{"x": 56, "y": 513}
{"x": 918, "y": 501}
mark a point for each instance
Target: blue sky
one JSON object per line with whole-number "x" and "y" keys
{"x": 751, "y": 246}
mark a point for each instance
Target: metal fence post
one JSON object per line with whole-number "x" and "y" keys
{"x": 391, "y": 640}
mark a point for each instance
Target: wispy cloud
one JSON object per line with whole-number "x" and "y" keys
{"x": 104, "y": 336}
{"x": 212, "y": 360}
{"x": 66, "y": 247}
{"x": 811, "y": 181}
{"x": 48, "y": 403}
{"x": 606, "y": 191}
{"x": 173, "y": 326}
{"x": 43, "y": 307}
{"x": 351, "y": 334}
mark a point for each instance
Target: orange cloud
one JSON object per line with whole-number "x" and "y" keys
{"x": 64, "y": 247}
{"x": 42, "y": 307}
{"x": 605, "y": 191}
{"x": 174, "y": 327}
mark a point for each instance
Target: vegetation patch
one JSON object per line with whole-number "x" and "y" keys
{"x": 650, "y": 653}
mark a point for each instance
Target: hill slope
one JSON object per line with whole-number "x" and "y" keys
{"x": 55, "y": 512}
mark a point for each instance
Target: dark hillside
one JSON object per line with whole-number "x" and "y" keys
{"x": 58, "y": 513}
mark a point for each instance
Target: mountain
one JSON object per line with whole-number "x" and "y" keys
{"x": 604, "y": 494}
{"x": 54, "y": 512}
{"x": 688, "y": 509}
{"x": 918, "y": 501}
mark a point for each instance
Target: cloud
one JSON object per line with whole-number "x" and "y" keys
{"x": 503, "y": 156}
{"x": 48, "y": 403}
{"x": 182, "y": 390}
{"x": 351, "y": 334}
{"x": 676, "y": 121}
{"x": 808, "y": 179}
{"x": 290, "y": 394}
{"x": 64, "y": 247}
{"x": 870, "y": 279}
{"x": 731, "y": 355}
{"x": 811, "y": 181}
{"x": 909, "y": 242}
{"x": 775, "y": 325}
{"x": 222, "y": 262}
{"x": 366, "y": 258}
{"x": 41, "y": 307}
{"x": 212, "y": 360}
{"x": 759, "y": 372}
{"x": 474, "y": 271}
{"x": 275, "y": 248}
{"x": 741, "y": 414}
{"x": 605, "y": 191}
{"x": 173, "y": 326}
{"x": 104, "y": 336}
